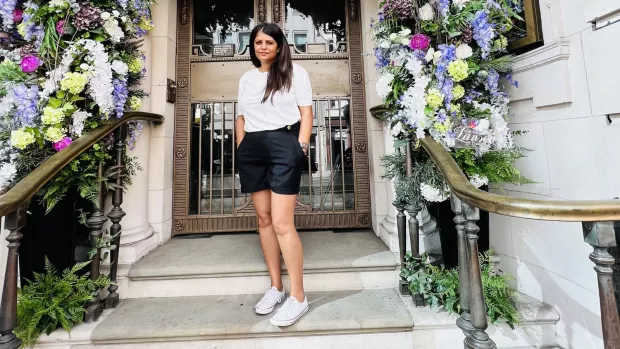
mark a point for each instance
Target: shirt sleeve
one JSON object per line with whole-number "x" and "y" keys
{"x": 239, "y": 96}
{"x": 303, "y": 89}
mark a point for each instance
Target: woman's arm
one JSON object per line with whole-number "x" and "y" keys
{"x": 239, "y": 129}
{"x": 305, "y": 129}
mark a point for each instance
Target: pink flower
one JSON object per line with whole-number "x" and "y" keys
{"x": 30, "y": 63}
{"x": 18, "y": 15}
{"x": 62, "y": 144}
{"x": 419, "y": 42}
{"x": 60, "y": 27}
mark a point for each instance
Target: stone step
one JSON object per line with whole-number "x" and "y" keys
{"x": 335, "y": 320}
{"x": 234, "y": 264}
{"x": 436, "y": 329}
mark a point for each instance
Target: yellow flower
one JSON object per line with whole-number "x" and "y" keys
{"x": 135, "y": 65}
{"x": 20, "y": 139}
{"x": 52, "y": 116}
{"x": 54, "y": 134}
{"x": 455, "y": 108}
{"x": 434, "y": 98}
{"x": 458, "y": 92}
{"x": 500, "y": 44}
{"x": 73, "y": 82}
{"x": 135, "y": 103}
{"x": 146, "y": 25}
{"x": 441, "y": 128}
{"x": 458, "y": 70}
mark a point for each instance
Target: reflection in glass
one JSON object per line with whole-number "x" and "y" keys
{"x": 321, "y": 21}
{"x": 220, "y": 22}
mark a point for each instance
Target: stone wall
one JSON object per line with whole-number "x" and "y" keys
{"x": 568, "y": 102}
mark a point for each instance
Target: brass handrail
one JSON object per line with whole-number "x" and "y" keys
{"x": 23, "y": 191}
{"x": 551, "y": 210}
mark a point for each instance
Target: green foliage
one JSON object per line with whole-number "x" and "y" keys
{"x": 440, "y": 288}
{"x": 497, "y": 165}
{"x": 52, "y": 301}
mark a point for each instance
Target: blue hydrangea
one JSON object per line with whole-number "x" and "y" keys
{"x": 120, "y": 96}
{"x": 122, "y": 3}
{"x": 382, "y": 60}
{"x": 512, "y": 81}
{"x": 483, "y": 32}
{"x": 26, "y": 111}
{"x": 446, "y": 90}
{"x": 471, "y": 95}
{"x": 6, "y": 12}
{"x": 444, "y": 7}
{"x": 442, "y": 116}
{"x": 448, "y": 54}
{"x": 32, "y": 31}
{"x": 492, "y": 82}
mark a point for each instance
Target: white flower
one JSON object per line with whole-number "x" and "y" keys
{"x": 483, "y": 125}
{"x": 427, "y": 13}
{"x": 414, "y": 65}
{"x": 478, "y": 181}
{"x": 124, "y": 19}
{"x": 384, "y": 44}
{"x": 432, "y": 194}
{"x": 116, "y": 13}
{"x": 404, "y": 32}
{"x": 57, "y": 3}
{"x": 79, "y": 117}
{"x": 112, "y": 28}
{"x": 384, "y": 85}
{"x": 105, "y": 15}
{"x": 430, "y": 54}
{"x": 84, "y": 66}
{"x": 436, "y": 57}
{"x": 405, "y": 41}
{"x": 120, "y": 67}
{"x": 397, "y": 129}
{"x": 7, "y": 173}
{"x": 464, "y": 51}
{"x": 459, "y": 3}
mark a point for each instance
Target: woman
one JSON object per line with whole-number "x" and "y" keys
{"x": 273, "y": 129}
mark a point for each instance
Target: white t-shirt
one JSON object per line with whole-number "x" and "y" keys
{"x": 283, "y": 111}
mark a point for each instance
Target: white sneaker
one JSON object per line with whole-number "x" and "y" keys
{"x": 290, "y": 312}
{"x": 269, "y": 301}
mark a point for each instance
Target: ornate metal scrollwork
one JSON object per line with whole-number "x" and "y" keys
{"x": 262, "y": 11}
{"x": 182, "y": 83}
{"x": 276, "y": 10}
{"x": 178, "y": 225}
{"x": 181, "y": 153}
{"x": 364, "y": 219}
{"x": 360, "y": 147}
{"x": 356, "y": 78}
{"x": 184, "y": 10}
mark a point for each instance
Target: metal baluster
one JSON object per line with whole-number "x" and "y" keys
{"x": 414, "y": 224}
{"x": 201, "y": 184}
{"x": 14, "y": 222}
{"x": 464, "y": 321}
{"x": 95, "y": 222}
{"x": 478, "y": 338}
{"x": 401, "y": 224}
{"x": 115, "y": 215}
{"x": 601, "y": 236}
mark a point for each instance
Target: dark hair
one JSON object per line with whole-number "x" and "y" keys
{"x": 281, "y": 71}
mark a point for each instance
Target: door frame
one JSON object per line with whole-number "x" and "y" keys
{"x": 360, "y": 217}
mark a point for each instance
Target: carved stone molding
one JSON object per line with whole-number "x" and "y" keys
{"x": 353, "y": 10}
{"x": 181, "y": 153}
{"x": 364, "y": 218}
{"x": 178, "y": 225}
{"x": 276, "y": 10}
{"x": 184, "y": 12}
{"x": 262, "y": 11}
{"x": 360, "y": 147}
{"x": 182, "y": 83}
{"x": 356, "y": 78}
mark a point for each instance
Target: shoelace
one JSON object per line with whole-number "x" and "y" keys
{"x": 269, "y": 296}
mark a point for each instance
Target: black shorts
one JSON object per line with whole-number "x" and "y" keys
{"x": 271, "y": 160}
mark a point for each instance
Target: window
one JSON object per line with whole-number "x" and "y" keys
{"x": 300, "y": 40}
{"x": 244, "y": 40}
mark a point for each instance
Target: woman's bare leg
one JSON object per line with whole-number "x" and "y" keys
{"x": 283, "y": 219}
{"x": 268, "y": 239}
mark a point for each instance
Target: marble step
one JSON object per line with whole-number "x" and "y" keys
{"x": 233, "y": 264}
{"x": 335, "y": 320}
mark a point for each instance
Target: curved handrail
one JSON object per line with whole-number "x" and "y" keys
{"x": 30, "y": 185}
{"x": 552, "y": 210}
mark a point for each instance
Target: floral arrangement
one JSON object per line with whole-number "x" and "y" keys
{"x": 443, "y": 69}
{"x": 67, "y": 67}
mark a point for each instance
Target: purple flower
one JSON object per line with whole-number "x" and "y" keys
{"x": 448, "y": 54}
{"x": 32, "y": 31}
{"x": 6, "y": 12}
{"x": 122, "y": 4}
{"x": 120, "y": 96}
{"x": 472, "y": 95}
{"x": 27, "y": 98}
{"x": 18, "y": 15}
{"x": 446, "y": 89}
{"x": 444, "y": 7}
{"x": 492, "y": 82}
{"x": 134, "y": 129}
{"x": 60, "y": 27}
{"x": 382, "y": 60}
{"x": 441, "y": 116}
{"x": 30, "y": 64}
{"x": 402, "y": 9}
{"x": 483, "y": 32}
{"x": 513, "y": 82}
{"x": 62, "y": 144}
{"x": 419, "y": 42}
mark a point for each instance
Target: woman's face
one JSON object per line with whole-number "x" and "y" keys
{"x": 265, "y": 47}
